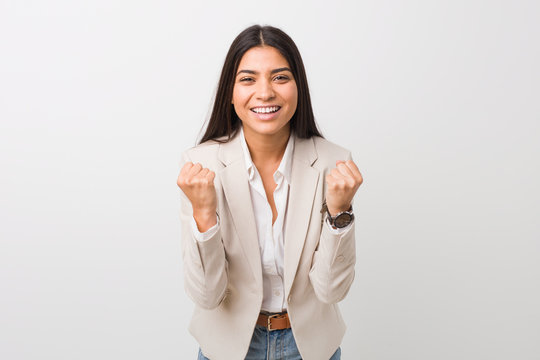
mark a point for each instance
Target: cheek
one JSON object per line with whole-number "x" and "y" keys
{"x": 240, "y": 95}
{"x": 292, "y": 96}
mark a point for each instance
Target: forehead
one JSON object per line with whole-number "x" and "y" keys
{"x": 262, "y": 58}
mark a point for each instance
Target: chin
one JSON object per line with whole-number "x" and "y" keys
{"x": 267, "y": 129}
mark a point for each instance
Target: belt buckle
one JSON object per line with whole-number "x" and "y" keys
{"x": 269, "y": 327}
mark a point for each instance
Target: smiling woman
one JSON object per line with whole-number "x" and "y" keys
{"x": 262, "y": 265}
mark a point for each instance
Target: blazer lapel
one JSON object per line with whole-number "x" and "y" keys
{"x": 235, "y": 185}
{"x": 304, "y": 180}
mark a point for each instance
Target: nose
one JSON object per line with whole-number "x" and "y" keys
{"x": 265, "y": 91}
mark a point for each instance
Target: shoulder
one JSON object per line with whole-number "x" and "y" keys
{"x": 205, "y": 153}
{"x": 207, "y": 148}
{"x": 327, "y": 153}
{"x": 319, "y": 152}
{"x": 325, "y": 147}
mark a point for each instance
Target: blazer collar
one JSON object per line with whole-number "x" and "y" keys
{"x": 231, "y": 151}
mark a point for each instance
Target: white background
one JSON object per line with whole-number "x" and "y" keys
{"x": 437, "y": 100}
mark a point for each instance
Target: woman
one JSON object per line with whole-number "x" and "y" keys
{"x": 267, "y": 225}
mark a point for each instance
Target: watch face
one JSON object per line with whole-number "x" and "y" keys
{"x": 343, "y": 220}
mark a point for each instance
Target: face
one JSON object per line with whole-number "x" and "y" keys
{"x": 265, "y": 94}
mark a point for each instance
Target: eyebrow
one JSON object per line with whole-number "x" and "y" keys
{"x": 271, "y": 72}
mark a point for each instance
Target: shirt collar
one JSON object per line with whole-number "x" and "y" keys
{"x": 285, "y": 166}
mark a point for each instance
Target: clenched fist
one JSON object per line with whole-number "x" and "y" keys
{"x": 341, "y": 185}
{"x": 198, "y": 185}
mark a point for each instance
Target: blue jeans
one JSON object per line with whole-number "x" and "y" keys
{"x": 273, "y": 345}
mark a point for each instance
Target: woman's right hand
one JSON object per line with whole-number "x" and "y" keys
{"x": 198, "y": 185}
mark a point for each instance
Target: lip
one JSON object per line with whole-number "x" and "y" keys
{"x": 267, "y": 117}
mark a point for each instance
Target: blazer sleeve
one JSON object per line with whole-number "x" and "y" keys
{"x": 204, "y": 263}
{"x": 332, "y": 269}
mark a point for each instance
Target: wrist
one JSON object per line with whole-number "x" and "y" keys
{"x": 205, "y": 219}
{"x": 334, "y": 210}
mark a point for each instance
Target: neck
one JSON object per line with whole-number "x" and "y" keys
{"x": 265, "y": 149}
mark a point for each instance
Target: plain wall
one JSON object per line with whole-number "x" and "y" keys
{"x": 437, "y": 100}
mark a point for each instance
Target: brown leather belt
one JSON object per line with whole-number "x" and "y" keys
{"x": 272, "y": 322}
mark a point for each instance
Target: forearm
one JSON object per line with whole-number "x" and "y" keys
{"x": 332, "y": 270}
{"x": 205, "y": 269}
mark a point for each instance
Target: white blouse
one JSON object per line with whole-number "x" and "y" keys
{"x": 271, "y": 242}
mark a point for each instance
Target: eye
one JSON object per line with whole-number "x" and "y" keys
{"x": 246, "y": 79}
{"x": 281, "y": 78}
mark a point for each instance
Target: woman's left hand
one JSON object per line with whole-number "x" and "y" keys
{"x": 341, "y": 185}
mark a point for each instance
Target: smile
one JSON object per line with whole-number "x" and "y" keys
{"x": 265, "y": 109}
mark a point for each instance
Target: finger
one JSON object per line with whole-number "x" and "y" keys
{"x": 185, "y": 168}
{"x": 202, "y": 174}
{"x": 211, "y": 176}
{"x": 338, "y": 175}
{"x": 351, "y": 165}
{"x": 345, "y": 170}
{"x": 195, "y": 169}
{"x": 330, "y": 179}
{"x": 335, "y": 182}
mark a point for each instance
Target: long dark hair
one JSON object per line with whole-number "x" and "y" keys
{"x": 224, "y": 121}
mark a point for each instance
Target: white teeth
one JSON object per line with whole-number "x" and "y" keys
{"x": 266, "y": 110}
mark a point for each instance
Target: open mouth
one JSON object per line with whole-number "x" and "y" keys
{"x": 266, "y": 109}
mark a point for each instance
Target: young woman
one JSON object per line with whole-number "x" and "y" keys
{"x": 267, "y": 222}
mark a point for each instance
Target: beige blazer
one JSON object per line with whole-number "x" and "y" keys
{"x": 223, "y": 275}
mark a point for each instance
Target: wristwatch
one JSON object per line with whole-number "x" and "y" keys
{"x": 341, "y": 220}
